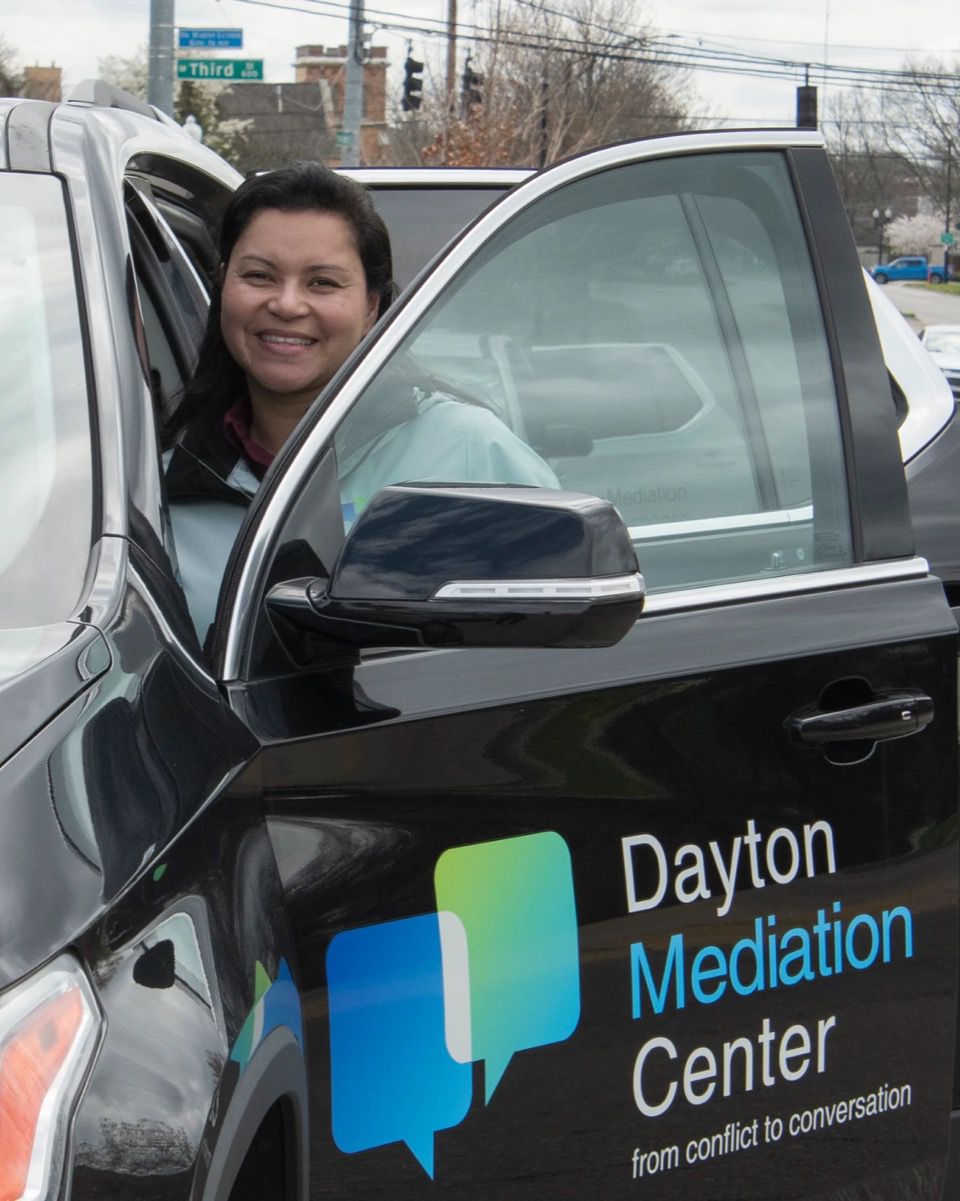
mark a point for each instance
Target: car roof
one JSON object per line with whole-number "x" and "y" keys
{"x": 441, "y": 177}
{"x": 29, "y": 129}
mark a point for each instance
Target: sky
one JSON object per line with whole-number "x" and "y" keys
{"x": 75, "y": 34}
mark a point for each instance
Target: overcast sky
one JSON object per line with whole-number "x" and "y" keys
{"x": 75, "y": 34}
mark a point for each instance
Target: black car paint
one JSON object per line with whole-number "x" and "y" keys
{"x": 597, "y": 758}
{"x": 272, "y": 812}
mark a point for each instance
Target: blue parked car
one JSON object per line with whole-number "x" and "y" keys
{"x": 910, "y": 266}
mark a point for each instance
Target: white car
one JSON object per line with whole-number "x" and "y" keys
{"x": 943, "y": 343}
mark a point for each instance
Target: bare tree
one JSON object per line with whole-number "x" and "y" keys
{"x": 923, "y": 125}
{"x": 873, "y": 175}
{"x": 11, "y": 77}
{"x": 553, "y": 84}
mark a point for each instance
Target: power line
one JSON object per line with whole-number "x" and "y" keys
{"x": 666, "y": 51}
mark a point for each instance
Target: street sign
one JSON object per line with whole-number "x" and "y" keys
{"x": 226, "y": 70}
{"x": 947, "y": 238}
{"x": 344, "y": 137}
{"x": 210, "y": 39}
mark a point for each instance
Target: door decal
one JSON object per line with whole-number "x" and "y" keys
{"x": 414, "y": 1002}
{"x": 275, "y": 1003}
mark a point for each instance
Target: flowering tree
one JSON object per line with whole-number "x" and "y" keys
{"x": 916, "y": 235}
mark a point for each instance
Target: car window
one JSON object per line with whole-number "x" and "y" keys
{"x": 172, "y": 299}
{"x": 422, "y": 220}
{"x": 653, "y": 335}
{"x": 46, "y": 494}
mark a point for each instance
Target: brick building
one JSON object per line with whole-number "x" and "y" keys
{"x": 288, "y": 121}
{"x": 42, "y": 83}
{"x": 327, "y": 67}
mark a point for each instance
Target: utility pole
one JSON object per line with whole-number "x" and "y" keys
{"x": 353, "y": 89}
{"x": 544, "y": 100}
{"x": 451, "y": 56}
{"x": 160, "y": 76}
{"x": 948, "y": 234}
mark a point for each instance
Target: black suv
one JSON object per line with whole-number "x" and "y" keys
{"x": 465, "y": 861}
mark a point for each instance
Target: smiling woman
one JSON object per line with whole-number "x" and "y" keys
{"x": 306, "y": 270}
{"x": 295, "y": 303}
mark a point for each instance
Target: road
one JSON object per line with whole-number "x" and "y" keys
{"x": 922, "y": 305}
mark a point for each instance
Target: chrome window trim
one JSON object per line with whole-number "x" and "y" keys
{"x": 754, "y": 589}
{"x": 411, "y": 309}
{"x": 739, "y": 522}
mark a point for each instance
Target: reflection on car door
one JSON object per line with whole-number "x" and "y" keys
{"x": 692, "y": 889}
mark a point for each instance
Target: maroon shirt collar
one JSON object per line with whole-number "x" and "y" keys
{"x": 236, "y": 427}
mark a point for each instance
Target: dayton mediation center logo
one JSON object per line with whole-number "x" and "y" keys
{"x": 415, "y": 1002}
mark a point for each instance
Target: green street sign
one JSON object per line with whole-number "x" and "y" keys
{"x": 225, "y": 70}
{"x": 947, "y": 238}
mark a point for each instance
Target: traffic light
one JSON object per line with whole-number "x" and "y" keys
{"x": 470, "y": 88}
{"x": 806, "y": 107}
{"x": 412, "y": 84}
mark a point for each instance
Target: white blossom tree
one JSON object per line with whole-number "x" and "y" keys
{"x": 916, "y": 235}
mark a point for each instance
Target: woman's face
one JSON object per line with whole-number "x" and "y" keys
{"x": 294, "y": 304}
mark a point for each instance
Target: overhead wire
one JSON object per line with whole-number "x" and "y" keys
{"x": 662, "y": 50}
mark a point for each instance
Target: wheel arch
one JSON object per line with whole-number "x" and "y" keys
{"x": 274, "y": 1077}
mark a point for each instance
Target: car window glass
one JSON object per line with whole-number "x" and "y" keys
{"x": 653, "y": 335}
{"x": 172, "y": 299}
{"x": 45, "y": 453}
{"x": 422, "y": 220}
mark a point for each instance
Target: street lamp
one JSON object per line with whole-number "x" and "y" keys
{"x": 192, "y": 128}
{"x": 880, "y": 219}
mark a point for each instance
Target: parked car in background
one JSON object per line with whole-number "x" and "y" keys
{"x": 910, "y": 266}
{"x": 943, "y": 343}
{"x": 466, "y": 860}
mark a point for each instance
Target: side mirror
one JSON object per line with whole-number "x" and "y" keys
{"x": 156, "y": 967}
{"x": 446, "y": 565}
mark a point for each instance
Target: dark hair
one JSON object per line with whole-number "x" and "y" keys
{"x": 218, "y": 380}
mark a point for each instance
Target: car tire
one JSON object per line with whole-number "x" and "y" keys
{"x": 934, "y": 278}
{"x": 881, "y": 277}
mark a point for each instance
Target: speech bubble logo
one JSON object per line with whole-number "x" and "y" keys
{"x": 392, "y": 1077}
{"x": 518, "y": 983}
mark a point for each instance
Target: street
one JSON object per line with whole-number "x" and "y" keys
{"x": 922, "y": 305}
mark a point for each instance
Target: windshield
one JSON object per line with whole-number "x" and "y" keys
{"x": 45, "y": 468}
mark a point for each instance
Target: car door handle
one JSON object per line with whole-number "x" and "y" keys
{"x": 894, "y": 715}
